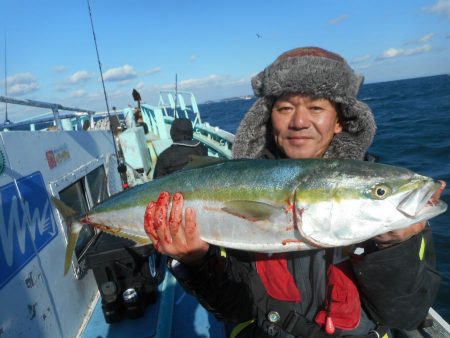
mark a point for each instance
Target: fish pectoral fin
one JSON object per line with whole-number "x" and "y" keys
{"x": 250, "y": 210}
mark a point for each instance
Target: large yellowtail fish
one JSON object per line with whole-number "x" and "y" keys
{"x": 276, "y": 205}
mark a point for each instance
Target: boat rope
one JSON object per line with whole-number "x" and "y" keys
{"x": 119, "y": 163}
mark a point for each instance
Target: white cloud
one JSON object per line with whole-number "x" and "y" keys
{"x": 363, "y": 66}
{"x": 22, "y": 83}
{"x": 441, "y": 7}
{"x": 207, "y": 82}
{"x": 125, "y": 72}
{"x": 152, "y": 71}
{"x": 79, "y": 77}
{"x": 140, "y": 85}
{"x": 426, "y": 38}
{"x": 422, "y": 40}
{"x": 338, "y": 20}
{"x": 78, "y": 93}
{"x": 59, "y": 69}
{"x": 396, "y": 52}
{"x": 61, "y": 87}
{"x": 362, "y": 58}
{"x": 193, "y": 58}
{"x": 212, "y": 80}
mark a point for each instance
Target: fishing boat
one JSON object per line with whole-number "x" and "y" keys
{"x": 51, "y": 155}
{"x": 114, "y": 287}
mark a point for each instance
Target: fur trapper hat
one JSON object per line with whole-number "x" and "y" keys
{"x": 317, "y": 73}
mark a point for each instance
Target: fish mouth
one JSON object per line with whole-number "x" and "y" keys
{"x": 418, "y": 202}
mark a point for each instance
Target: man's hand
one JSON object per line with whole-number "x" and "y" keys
{"x": 394, "y": 237}
{"x": 169, "y": 234}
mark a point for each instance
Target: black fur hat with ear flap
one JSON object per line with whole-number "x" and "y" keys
{"x": 314, "y": 72}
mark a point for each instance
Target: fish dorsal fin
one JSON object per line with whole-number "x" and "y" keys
{"x": 250, "y": 210}
{"x": 196, "y": 161}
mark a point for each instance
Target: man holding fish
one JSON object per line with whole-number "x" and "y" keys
{"x": 307, "y": 109}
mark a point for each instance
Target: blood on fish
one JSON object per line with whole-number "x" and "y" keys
{"x": 106, "y": 228}
{"x": 298, "y": 220}
{"x": 289, "y": 208}
{"x": 301, "y": 211}
{"x": 86, "y": 220}
{"x": 286, "y": 241}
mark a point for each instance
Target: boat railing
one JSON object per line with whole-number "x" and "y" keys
{"x": 218, "y": 140}
{"x": 55, "y": 118}
{"x": 182, "y": 103}
{"x": 160, "y": 118}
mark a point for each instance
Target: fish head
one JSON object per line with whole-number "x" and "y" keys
{"x": 357, "y": 201}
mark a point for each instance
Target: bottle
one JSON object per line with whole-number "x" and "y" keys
{"x": 111, "y": 307}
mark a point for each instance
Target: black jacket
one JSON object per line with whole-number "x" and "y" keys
{"x": 177, "y": 156}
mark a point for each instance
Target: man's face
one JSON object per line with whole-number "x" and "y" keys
{"x": 303, "y": 127}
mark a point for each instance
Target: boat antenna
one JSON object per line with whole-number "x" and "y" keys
{"x": 120, "y": 165}
{"x": 176, "y": 96}
{"x": 7, "y": 121}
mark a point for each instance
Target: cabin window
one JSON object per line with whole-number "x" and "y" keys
{"x": 97, "y": 185}
{"x": 82, "y": 196}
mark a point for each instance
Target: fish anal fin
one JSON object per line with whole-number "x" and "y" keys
{"x": 250, "y": 210}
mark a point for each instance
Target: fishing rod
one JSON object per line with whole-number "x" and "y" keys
{"x": 7, "y": 121}
{"x": 176, "y": 96}
{"x": 121, "y": 168}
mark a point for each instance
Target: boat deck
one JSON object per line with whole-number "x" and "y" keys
{"x": 157, "y": 319}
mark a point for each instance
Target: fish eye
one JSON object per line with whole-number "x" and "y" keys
{"x": 380, "y": 191}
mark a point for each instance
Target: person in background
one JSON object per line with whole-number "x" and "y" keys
{"x": 86, "y": 125}
{"x": 178, "y": 154}
{"x": 114, "y": 122}
{"x": 139, "y": 120}
{"x": 306, "y": 108}
{"x": 129, "y": 119}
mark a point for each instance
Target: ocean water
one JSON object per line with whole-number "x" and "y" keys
{"x": 413, "y": 119}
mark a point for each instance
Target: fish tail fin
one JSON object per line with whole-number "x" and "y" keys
{"x": 73, "y": 233}
{"x": 73, "y": 230}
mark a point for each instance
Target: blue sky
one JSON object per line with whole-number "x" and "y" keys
{"x": 215, "y": 47}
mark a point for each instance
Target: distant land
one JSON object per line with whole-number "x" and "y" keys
{"x": 234, "y": 98}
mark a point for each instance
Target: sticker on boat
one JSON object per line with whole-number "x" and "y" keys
{"x": 27, "y": 223}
